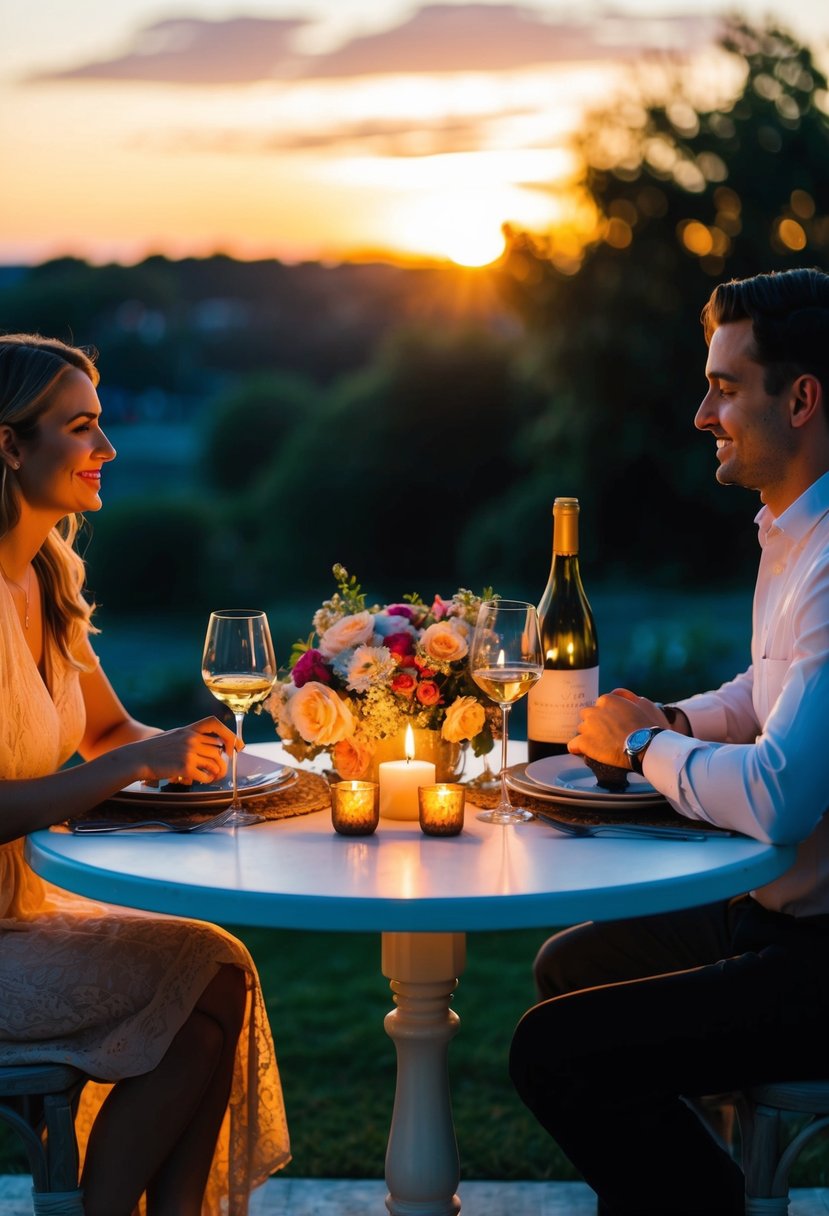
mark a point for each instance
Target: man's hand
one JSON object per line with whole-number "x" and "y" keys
{"x": 605, "y": 725}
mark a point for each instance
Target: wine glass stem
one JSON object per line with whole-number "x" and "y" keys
{"x": 239, "y": 720}
{"x": 504, "y": 723}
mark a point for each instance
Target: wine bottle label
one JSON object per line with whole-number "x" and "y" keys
{"x": 554, "y": 703}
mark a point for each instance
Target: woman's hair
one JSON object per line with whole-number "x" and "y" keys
{"x": 789, "y": 314}
{"x": 31, "y": 371}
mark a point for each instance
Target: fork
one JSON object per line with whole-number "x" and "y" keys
{"x": 92, "y": 827}
{"x": 629, "y": 830}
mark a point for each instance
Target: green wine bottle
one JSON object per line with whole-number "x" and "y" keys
{"x": 568, "y": 640}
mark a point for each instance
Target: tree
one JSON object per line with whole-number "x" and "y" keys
{"x": 674, "y": 196}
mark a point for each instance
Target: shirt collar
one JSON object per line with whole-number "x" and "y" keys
{"x": 798, "y": 519}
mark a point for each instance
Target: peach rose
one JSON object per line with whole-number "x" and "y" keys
{"x": 464, "y": 719}
{"x": 348, "y": 631}
{"x": 351, "y": 758}
{"x": 319, "y": 715}
{"x": 444, "y": 642}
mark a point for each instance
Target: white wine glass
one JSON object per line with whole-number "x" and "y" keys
{"x": 239, "y": 668}
{"x": 505, "y": 660}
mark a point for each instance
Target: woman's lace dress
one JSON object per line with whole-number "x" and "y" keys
{"x": 104, "y": 988}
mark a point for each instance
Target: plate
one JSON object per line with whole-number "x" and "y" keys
{"x": 567, "y": 774}
{"x": 255, "y": 775}
{"x": 602, "y": 800}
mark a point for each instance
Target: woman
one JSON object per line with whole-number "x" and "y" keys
{"x": 167, "y": 1014}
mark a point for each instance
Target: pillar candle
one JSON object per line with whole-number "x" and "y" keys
{"x": 399, "y": 783}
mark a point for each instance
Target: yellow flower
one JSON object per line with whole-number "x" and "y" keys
{"x": 444, "y": 642}
{"x": 319, "y": 715}
{"x": 464, "y": 719}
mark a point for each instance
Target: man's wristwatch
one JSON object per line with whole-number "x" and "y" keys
{"x": 637, "y": 743}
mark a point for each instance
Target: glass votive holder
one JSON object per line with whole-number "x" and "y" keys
{"x": 441, "y": 809}
{"x": 355, "y": 807}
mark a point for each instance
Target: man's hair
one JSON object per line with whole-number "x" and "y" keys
{"x": 789, "y": 314}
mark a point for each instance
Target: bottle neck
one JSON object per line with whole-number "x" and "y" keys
{"x": 565, "y": 534}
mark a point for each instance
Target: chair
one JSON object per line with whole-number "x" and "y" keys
{"x": 767, "y": 1153}
{"x": 38, "y": 1102}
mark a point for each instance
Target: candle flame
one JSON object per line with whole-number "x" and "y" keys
{"x": 501, "y": 660}
{"x": 410, "y": 743}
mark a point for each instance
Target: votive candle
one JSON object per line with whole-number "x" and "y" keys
{"x": 441, "y": 809}
{"x": 355, "y": 807}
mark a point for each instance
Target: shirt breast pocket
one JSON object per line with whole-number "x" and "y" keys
{"x": 768, "y": 683}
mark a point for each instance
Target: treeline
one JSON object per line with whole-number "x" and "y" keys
{"x": 416, "y": 423}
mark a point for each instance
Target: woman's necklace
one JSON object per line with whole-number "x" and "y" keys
{"x": 19, "y": 587}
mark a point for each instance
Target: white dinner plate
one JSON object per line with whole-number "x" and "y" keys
{"x": 569, "y": 775}
{"x": 602, "y": 800}
{"x": 255, "y": 775}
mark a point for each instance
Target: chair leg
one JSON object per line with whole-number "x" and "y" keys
{"x": 760, "y": 1128}
{"x": 62, "y": 1144}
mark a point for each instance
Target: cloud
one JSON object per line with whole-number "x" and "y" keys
{"x": 195, "y": 51}
{"x": 435, "y": 38}
{"x": 499, "y": 37}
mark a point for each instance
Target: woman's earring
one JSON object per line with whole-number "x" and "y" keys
{"x": 17, "y": 464}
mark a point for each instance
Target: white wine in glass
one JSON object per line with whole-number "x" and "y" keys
{"x": 239, "y": 668}
{"x": 505, "y": 660}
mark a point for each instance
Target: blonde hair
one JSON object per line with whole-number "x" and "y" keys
{"x": 31, "y": 370}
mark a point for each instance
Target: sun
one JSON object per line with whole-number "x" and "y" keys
{"x": 475, "y": 246}
{"x": 458, "y": 225}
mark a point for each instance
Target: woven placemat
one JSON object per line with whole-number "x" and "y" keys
{"x": 301, "y": 797}
{"x": 660, "y": 815}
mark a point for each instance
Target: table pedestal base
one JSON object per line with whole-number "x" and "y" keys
{"x": 422, "y": 1163}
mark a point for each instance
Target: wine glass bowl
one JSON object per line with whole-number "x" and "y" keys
{"x": 505, "y": 660}
{"x": 239, "y": 668}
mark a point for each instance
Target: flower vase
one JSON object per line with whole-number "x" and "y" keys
{"x": 448, "y": 758}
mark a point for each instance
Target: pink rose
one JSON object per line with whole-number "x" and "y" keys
{"x": 404, "y": 684}
{"x": 445, "y": 642}
{"x": 440, "y": 608}
{"x": 319, "y": 716}
{"x": 427, "y": 692}
{"x": 311, "y": 667}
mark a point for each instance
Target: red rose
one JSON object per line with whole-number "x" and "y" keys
{"x": 427, "y": 692}
{"x": 425, "y": 671}
{"x": 404, "y": 684}
{"x": 400, "y": 644}
{"x": 311, "y": 666}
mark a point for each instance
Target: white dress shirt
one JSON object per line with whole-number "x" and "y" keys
{"x": 759, "y": 762}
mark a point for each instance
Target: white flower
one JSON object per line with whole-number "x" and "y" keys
{"x": 349, "y": 631}
{"x": 370, "y": 665}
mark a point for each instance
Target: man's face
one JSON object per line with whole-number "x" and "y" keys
{"x": 755, "y": 439}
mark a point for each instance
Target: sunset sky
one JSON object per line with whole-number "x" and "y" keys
{"x": 311, "y": 128}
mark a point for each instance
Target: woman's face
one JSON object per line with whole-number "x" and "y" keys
{"x": 60, "y": 468}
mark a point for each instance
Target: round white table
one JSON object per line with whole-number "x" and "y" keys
{"x": 423, "y": 894}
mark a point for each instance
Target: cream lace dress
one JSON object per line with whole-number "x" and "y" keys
{"x": 101, "y": 987}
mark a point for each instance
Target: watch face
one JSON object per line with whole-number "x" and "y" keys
{"x": 639, "y": 738}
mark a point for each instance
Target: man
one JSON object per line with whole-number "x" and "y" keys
{"x": 647, "y": 1012}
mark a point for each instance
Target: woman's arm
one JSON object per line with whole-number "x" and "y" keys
{"x": 117, "y": 751}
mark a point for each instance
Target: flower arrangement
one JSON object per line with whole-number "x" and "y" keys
{"x": 364, "y": 673}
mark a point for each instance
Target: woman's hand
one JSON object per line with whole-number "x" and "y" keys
{"x": 605, "y": 725}
{"x": 189, "y": 753}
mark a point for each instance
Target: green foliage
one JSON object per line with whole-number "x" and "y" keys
{"x": 386, "y": 475}
{"x": 148, "y": 555}
{"x": 248, "y": 424}
{"x": 684, "y": 194}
